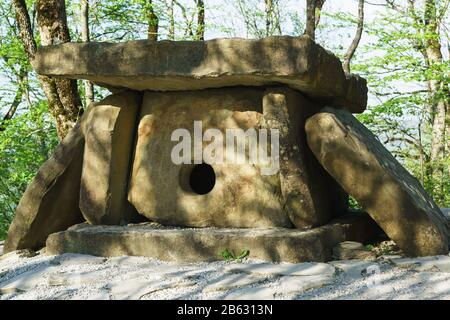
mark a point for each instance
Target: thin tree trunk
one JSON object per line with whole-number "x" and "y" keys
{"x": 313, "y": 12}
{"x": 200, "y": 34}
{"x": 439, "y": 100}
{"x": 171, "y": 20}
{"x": 269, "y": 16}
{"x": 311, "y": 19}
{"x": 318, "y": 11}
{"x": 153, "y": 22}
{"x": 85, "y": 37}
{"x": 64, "y": 102}
{"x": 351, "y": 50}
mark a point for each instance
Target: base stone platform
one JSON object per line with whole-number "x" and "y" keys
{"x": 206, "y": 244}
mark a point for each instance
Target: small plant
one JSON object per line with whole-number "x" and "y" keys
{"x": 229, "y": 255}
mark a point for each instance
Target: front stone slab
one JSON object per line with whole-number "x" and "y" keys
{"x": 192, "y": 65}
{"x": 245, "y": 194}
{"x": 161, "y": 189}
{"x": 206, "y": 244}
{"x": 383, "y": 187}
{"x": 311, "y": 197}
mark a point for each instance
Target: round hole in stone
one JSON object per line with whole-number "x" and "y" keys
{"x": 202, "y": 178}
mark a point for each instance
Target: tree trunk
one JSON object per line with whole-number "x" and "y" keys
{"x": 171, "y": 20}
{"x": 438, "y": 90}
{"x": 64, "y": 102}
{"x": 200, "y": 34}
{"x": 311, "y": 19}
{"x": 269, "y": 16}
{"x": 153, "y": 23}
{"x": 85, "y": 37}
{"x": 313, "y": 11}
{"x": 351, "y": 50}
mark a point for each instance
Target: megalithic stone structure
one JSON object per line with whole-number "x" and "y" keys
{"x": 124, "y": 171}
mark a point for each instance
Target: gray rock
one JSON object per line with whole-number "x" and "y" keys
{"x": 135, "y": 288}
{"x": 69, "y": 278}
{"x": 28, "y": 280}
{"x": 352, "y": 250}
{"x": 436, "y": 263}
{"x": 285, "y": 287}
{"x": 51, "y": 201}
{"x": 295, "y": 285}
{"x": 282, "y": 269}
{"x": 258, "y": 292}
{"x": 205, "y": 244}
{"x": 386, "y": 190}
{"x": 192, "y": 65}
{"x": 354, "y": 270}
{"x": 109, "y": 142}
{"x": 71, "y": 259}
{"x": 233, "y": 281}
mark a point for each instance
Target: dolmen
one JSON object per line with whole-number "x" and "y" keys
{"x": 226, "y": 144}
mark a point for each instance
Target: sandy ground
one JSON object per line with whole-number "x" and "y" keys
{"x": 74, "y": 276}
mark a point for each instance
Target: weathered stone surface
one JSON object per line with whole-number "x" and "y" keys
{"x": 27, "y": 280}
{"x": 192, "y": 65}
{"x": 203, "y": 244}
{"x": 160, "y": 190}
{"x": 50, "y": 202}
{"x": 311, "y": 196}
{"x": 368, "y": 172}
{"x": 289, "y": 285}
{"x": 233, "y": 281}
{"x": 68, "y": 278}
{"x": 73, "y": 259}
{"x": 301, "y": 192}
{"x": 109, "y": 134}
{"x": 355, "y": 269}
{"x": 282, "y": 269}
{"x": 352, "y": 250}
{"x": 258, "y": 292}
{"x": 446, "y": 212}
{"x": 286, "y": 287}
{"x": 436, "y": 263}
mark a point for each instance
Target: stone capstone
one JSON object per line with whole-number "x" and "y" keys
{"x": 140, "y": 65}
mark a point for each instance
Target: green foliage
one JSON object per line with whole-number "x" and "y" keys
{"x": 25, "y": 143}
{"x": 229, "y": 255}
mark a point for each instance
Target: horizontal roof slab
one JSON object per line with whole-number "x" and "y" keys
{"x": 190, "y": 65}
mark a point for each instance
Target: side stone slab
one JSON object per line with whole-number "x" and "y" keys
{"x": 193, "y": 65}
{"x": 50, "y": 202}
{"x": 386, "y": 190}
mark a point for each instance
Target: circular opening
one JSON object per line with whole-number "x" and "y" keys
{"x": 202, "y": 178}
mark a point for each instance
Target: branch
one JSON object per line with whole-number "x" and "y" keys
{"x": 25, "y": 29}
{"x": 351, "y": 50}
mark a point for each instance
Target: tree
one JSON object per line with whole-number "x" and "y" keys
{"x": 200, "y": 34}
{"x": 409, "y": 75}
{"x": 261, "y": 21}
{"x": 153, "y": 22}
{"x": 64, "y": 101}
{"x": 313, "y": 11}
{"x": 85, "y": 37}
